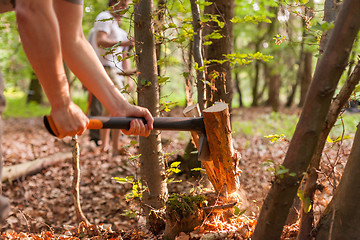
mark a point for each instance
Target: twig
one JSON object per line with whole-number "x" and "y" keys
{"x": 76, "y": 182}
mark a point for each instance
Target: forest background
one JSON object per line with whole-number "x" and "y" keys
{"x": 271, "y": 40}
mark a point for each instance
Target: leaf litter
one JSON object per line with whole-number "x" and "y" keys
{"x": 42, "y": 207}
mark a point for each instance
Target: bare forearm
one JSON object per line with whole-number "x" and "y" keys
{"x": 88, "y": 69}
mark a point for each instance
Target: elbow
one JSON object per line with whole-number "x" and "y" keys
{"x": 24, "y": 13}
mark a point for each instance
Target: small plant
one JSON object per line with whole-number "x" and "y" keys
{"x": 137, "y": 187}
{"x": 174, "y": 168}
{"x": 278, "y": 170}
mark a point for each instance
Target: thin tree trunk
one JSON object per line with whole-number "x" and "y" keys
{"x": 35, "y": 90}
{"x": 307, "y": 63}
{"x": 255, "y": 87}
{"x": 307, "y": 214}
{"x": 238, "y": 89}
{"x": 274, "y": 91}
{"x": 306, "y": 76}
{"x": 198, "y": 57}
{"x": 327, "y": 74}
{"x": 188, "y": 79}
{"x": 343, "y": 212}
{"x": 76, "y": 182}
{"x": 219, "y": 75}
{"x": 152, "y": 167}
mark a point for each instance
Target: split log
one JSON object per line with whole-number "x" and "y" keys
{"x": 222, "y": 169}
{"x": 11, "y": 173}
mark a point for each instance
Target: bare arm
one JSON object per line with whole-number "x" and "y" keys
{"x": 82, "y": 60}
{"x": 102, "y": 40}
{"x": 40, "y": 37}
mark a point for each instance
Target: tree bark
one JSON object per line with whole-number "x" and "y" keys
{"x": 198, "y": 57}
{"x": 305, "y": 77}
{"x": 274, "y": 89}
{"x": 307, "y": 63}
{"x": 152, "y": 166}
{"x": 307, "y": 217}
{"x": 35, "y": 90}
{"x": 76, "y": 182}
{"x": 342, "y": 216}
{"x": 219, "y": 75}
{"x": 327, "y": 74}
{"x": 222, "y": 170}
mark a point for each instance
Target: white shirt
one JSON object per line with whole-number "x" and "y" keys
{"x": 105, "y": 22}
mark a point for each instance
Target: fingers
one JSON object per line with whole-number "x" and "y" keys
{"x": 69, "y": 121}
{"x": 137, "y": 127}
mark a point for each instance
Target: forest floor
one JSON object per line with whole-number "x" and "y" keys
{"x": 42, "y": 203}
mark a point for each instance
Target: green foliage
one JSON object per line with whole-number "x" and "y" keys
{"x": 238, "y": 212}
{"x": 276, "y": 137}
{"x": 267, "y": 124}
{"x": 137, "y": 187}
{"x": 306, "y": 201}
{"x": 278, "y": 170}
{"x": 183, "y": 205}
{"x": 251, "y": 19}
{"x": 174, "y": 168}
{"x": 16, "y": 105}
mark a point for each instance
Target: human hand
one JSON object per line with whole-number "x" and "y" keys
{"x": 137, "y": 127}
{"x": 69, "y": 120}
{"x": 128, "y": 43}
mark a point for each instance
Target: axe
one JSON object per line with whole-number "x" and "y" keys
{"x": 160, "y": 123}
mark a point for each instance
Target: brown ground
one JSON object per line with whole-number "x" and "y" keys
{"x": 43, "y": 201}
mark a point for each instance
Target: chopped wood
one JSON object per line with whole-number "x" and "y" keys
{"x": 193, "y": 111}
{"x": 224, "y": 161}
{"x": 11, "y": 173}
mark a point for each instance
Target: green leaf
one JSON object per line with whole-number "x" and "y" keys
{"x": 282, "y": 171}
{"x": 133, "y": 142}
{"x": 163, "y": 79}
{"x": 175, "y": 164}
{"x": 340, "y": 138}
{"x": 196, "y": 169}
{"x": 237, "y": 211}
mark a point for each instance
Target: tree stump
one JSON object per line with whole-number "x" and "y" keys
{"x": 222, "y": 169}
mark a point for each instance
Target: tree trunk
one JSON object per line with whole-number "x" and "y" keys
{"x": 159, "y": 24}
{"x": 307, "y": 216}
{"x": 331, "y": 10}
{"x": 35, "y": 90}
{"x": 152, "y": 167}
{"x": 307, "y": 63}
{"x": 327, "y": 74}
{"x": 188, "y": 79}
{"x": 198, "y": 57}
{"x": 342, "y": 215}
{"x": 238, "y": 89}
{"x": 255, "y": 87}
{"x": 274, "y": 89}
{"x": 306, "y": 75}
{"x": 219, "y": 75}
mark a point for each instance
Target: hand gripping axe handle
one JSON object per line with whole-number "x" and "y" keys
{"x": 160, "y": 123}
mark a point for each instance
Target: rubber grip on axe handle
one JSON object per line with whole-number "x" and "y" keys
{"x": 160, "y": 123}
{"x": 95, "y": 123}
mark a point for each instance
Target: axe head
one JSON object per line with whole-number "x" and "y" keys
{"x": 204, "y": 150}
